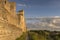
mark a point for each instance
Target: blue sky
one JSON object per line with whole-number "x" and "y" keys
{"x": 39, "y": 8}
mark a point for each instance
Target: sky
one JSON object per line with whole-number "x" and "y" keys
{"x": 38, "y": 8}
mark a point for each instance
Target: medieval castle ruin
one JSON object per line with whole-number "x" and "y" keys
{"x": 12, "y": 23}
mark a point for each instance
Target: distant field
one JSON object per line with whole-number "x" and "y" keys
{"x": 41, "y": 35}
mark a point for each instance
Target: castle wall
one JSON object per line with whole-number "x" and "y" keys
{"x": 7, "y": 5}
{"x": 10, "y": 23}
{"x": 6, "y": 16}
{"x": 10, "y": 8}
{"x": 2, "y": 3}
{"x": 8, "y": 13}
{"x": 13, "y": 8}
{"x": 22, "y": 21}
{"x": 12, "y": 20}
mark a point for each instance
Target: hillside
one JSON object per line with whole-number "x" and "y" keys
{"x": 41, "y": 35}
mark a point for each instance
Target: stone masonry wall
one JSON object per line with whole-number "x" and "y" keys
{"x": 10, "y": 28}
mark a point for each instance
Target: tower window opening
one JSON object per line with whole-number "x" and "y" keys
{"x": 5, "y": 2}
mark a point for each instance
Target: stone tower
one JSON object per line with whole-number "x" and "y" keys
{"x": 21, "y": 20}
{"x": 12, "y": 24}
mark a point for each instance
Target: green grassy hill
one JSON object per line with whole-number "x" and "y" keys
{"x": 41, "y": 35}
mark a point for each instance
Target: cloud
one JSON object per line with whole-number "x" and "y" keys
{"x": 45, "y": 24}
{"x": 49, "y": 22}
{"x": 23, "y": 5}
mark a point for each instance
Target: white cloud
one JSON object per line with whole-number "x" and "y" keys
{"x": 23, "y": 5}
{"x": 46, "y": 22}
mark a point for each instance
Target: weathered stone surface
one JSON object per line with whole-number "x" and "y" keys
{"x": 12, "y": 24}
{"x": 9, "y": 31}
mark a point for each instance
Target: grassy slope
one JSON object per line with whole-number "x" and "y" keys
{"x": 41, "y": 35}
